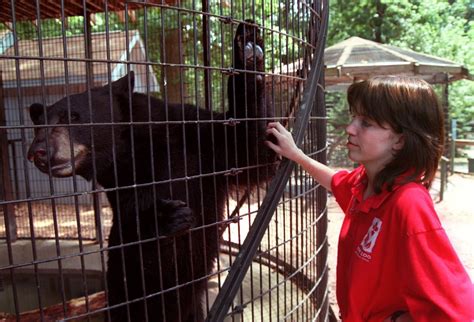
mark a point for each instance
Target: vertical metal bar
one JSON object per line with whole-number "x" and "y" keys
{"x": 88, "y": 46}
{"x": 452, "y": 145}
{"x": 167, "y": 136}
{"x": 222, "y": 108}
{"x": 89, "y": 83}
{"x": 321, "y": 229}
{"x": 444, "y": 177}
{"x": 150, "y": 131}
{"x": 114, "y": 158}
{"x": 447, "y": 119}
{"x": 48, "y": 143}
{"x": 23, "y": 140}
{"x": 25, "y": 167}
{"x": 98, "y": 222}
{"x": 206, "y": 54}
{"x": 6, "y": 191}
{"x": 321, "y": 209}
{"x": 90, "y": 80}
{"x": 134, "y": 166}
{"x": 15, "y": 169}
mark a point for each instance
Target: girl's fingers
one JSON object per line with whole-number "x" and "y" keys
{"x": 275, "y": 125}
{"x": 274, "y": 132}
{"x": 273, "y": 146}
{"x": 277, "y": 128}
{"x": 280, "y": 127}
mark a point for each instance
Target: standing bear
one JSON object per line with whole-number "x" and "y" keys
{"x": 167, "y": 171}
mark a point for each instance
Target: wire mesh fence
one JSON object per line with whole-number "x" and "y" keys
{"x": 133, "y": 161}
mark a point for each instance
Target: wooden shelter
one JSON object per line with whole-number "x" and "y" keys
{"x": 64, "y": 63}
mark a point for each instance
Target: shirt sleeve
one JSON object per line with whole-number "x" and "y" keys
{"x": 435, "y": 284}
{"x": 340, "y": 188}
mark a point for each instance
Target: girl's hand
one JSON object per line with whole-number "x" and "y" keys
{"x": 284, "y": 145}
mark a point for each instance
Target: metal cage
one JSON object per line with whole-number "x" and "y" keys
{"x": 144, "y": 213}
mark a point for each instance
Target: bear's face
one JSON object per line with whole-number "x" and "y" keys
{"x": 59, "y": 144}
{"x": 69, "y": 129}
{"x": 248, "y": 46}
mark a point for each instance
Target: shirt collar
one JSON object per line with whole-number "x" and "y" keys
{"x": 374, "y": 201}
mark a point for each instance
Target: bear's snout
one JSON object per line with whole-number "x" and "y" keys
{"x": 38, "y": 155}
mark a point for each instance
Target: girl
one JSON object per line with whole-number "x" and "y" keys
{"x": 395, "y": 261}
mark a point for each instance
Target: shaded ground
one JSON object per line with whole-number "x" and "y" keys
{"x": 456, "y": 213}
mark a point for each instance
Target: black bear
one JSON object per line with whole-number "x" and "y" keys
{"x": 167, "y": 172}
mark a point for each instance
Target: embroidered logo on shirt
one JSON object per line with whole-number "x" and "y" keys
{"x": 367, "y": 245}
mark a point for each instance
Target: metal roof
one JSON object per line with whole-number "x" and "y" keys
{"x": 32, "y": 10}
{"x": 358, "y": 58}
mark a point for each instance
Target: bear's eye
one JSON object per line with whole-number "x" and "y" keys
{"x": 67, "y": 118}
{"x": 74, "y": 116}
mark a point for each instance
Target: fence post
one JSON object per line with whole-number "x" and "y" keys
{"x": 444, "y": 176}
{"x": 452, "y": 145}
{"x": 6, "y": 191}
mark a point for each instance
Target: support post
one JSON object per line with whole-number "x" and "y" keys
{"x": 444, "y": 177}
{"x": 90, "y": 83}
{"x": 6, "y": 189}
{"x": 206, "y": 53}
{"x": 447, "y": 120}
{"x": 453, "y": 145}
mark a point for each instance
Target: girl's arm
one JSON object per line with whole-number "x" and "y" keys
{"x": 285, "y": 146}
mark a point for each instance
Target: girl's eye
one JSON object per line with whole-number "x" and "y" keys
{"x": 365, "y": 123}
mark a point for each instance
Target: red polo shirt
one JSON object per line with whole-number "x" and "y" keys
{"x": 393, "y": 254}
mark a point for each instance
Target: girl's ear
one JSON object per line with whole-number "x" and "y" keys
{"x": 399, "y": 142}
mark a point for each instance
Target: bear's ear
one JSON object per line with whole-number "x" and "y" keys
{"x": 37, "y": 112}
{"x": 121, "y": 86}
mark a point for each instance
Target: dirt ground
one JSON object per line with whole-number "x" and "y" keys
{"x": 456, "y": 213}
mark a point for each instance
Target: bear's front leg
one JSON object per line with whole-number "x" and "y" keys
{"x": 175, "y": 218}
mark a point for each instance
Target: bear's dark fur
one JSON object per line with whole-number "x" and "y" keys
{"x": 166, "y": 179}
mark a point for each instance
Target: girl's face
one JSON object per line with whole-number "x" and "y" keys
{"x": 371, "y": 144}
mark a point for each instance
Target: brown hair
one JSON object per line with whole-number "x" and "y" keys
{"x": 411, "y": 108}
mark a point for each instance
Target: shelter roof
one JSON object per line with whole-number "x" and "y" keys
{"x": 358, "y": 58}
{"x": 57, "y": 53}
{"x": 28, "y": 10}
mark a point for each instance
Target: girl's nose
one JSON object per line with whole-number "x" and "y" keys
{"x": 350, "y": 128}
